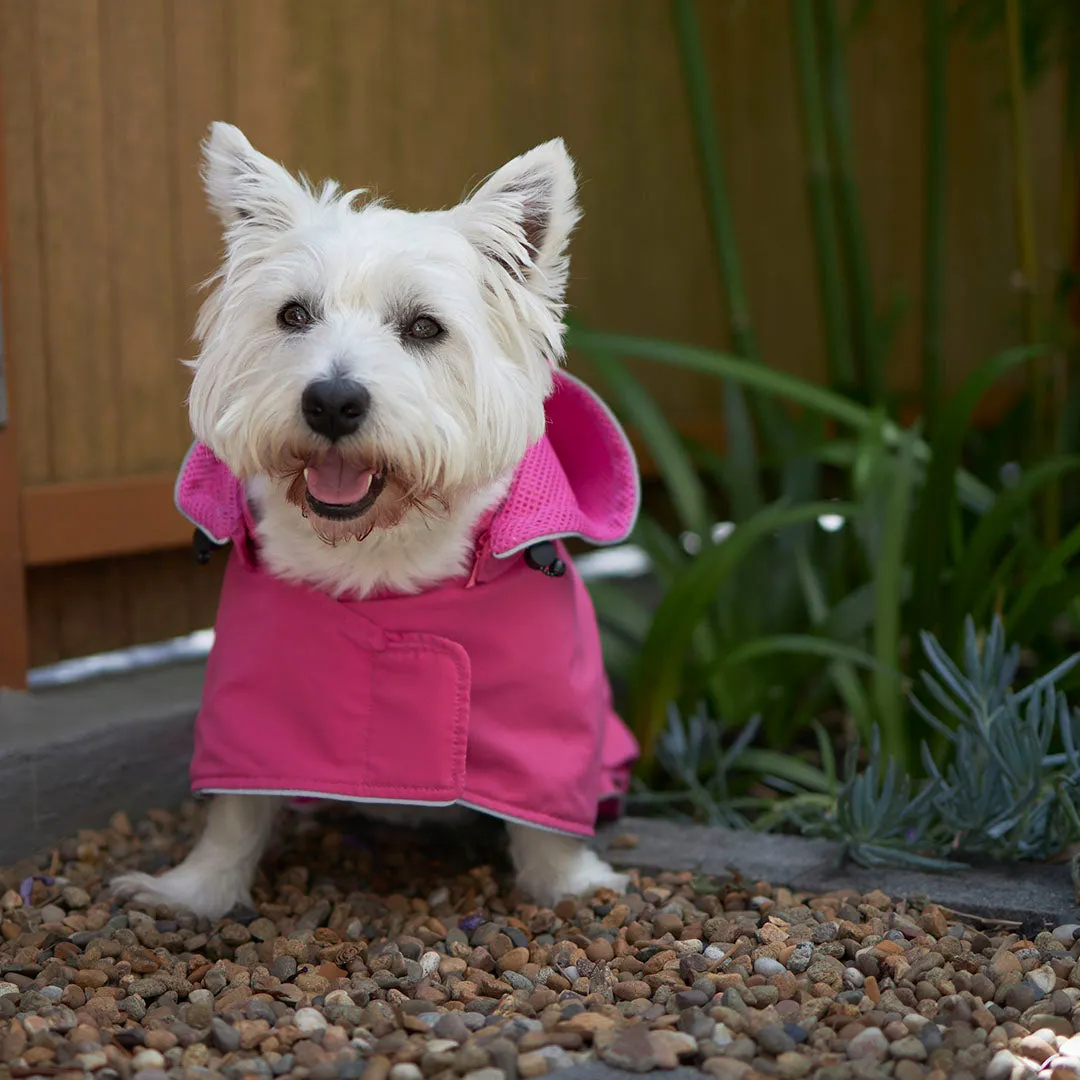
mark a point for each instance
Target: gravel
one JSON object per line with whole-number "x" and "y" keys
{"x": 401, "y": 956}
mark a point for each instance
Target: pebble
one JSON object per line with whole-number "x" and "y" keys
{"x": 328, "y": 979}
{"x": 283, "y": 968}
{"x": 801, "y": 957}
{"x": 775, "y": 1040}
{"x": 909, "y": 1047}
{"x": 1066, "y": 934}
{"x": 1004, "y": 1065}
{"x": 309, "y": 1021}
{"x": 766, "y": 965}
{"x": 227, "y": 1038}
{"x": 148, "y": 1059}
{"x": 870, "y": 1044}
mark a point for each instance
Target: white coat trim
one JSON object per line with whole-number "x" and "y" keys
{"x": 324, "y": 797}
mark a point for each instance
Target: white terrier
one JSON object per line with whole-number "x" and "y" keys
{"x": 373, "y": 380}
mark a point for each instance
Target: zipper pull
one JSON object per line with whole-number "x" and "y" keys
{"x": 545, "y": 558}
{"x": 202, "y": 547}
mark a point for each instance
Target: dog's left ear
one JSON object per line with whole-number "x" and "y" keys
{"x": 522, "y": 216}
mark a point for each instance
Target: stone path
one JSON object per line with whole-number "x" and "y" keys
{"x": 396, "y": 957}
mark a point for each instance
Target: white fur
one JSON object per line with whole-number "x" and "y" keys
{"x": 217, "y": 874}
{"x": 402, "y": 559}
{"x": 450, "y": 419}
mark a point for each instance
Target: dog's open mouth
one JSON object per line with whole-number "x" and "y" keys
{"x": 340, "y": 491}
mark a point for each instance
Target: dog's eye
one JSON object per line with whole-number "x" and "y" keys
{"x": 424, "y": 328}
{"x": 294, "y": 316}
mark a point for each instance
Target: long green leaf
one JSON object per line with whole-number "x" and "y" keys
{"x": 1049, "y": 572}
{"x": 848, "y": 213}
{"x": 1042, "y": 611}
{"x": 724, "y": 366}
{"x": 621, "y": 611}
{"x": 834, "y": 302}
{"x": 976, "y": 494}
{"x": 685, "y": 605}
{"x": 936, "y": 53}
{"x": 930, "y": 547}
{"x": 663, "y": 550}
{"x": 743, "y": 469}
{"x": 802, "y": 645}
{"x": 977, "y": 566}
{"x": 888, "y": 603}
{"x": 842, "y": 674}
{"x": 699, "y": 96}
{"x": 640, "y": 411}
{"x": 787, "y": 767}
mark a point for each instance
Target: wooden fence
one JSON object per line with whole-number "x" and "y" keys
{"x": 105, "y": 102}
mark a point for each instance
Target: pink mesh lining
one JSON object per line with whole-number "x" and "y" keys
{"x": 209, "y": 496}
{"x": 580, "y": 479}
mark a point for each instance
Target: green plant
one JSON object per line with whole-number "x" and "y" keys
{"x": 923, "y": 544}
{"x": 1008, "y": 790}
{"x": 846, "y": 534}
{"x": 1003, "y": 795}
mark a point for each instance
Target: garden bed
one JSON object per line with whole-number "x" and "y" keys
{"x": 370, "y": 952}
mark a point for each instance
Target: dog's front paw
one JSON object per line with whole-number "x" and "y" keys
{"x": 578, "y": 875}
{"x": 184, "y": 890}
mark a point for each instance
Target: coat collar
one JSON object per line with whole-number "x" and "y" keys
{"x": 579, "y": 480}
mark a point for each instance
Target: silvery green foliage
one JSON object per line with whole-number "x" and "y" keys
{"x": 875, "y": 818}
{"x": 1002, "y": 781}
{"x": 1002, "y": 795}
{"x": 690, "y": 751}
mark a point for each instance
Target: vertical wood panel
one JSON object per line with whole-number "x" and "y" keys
{"x": 319, "y": 89}
{"x": 372, "y": 130}
{"x": 82, "y": 372}
{"x": 139, "y": 182}
{"x": 263, "y": 87}
{"x": 24, "y": 336}
{"x": 439, "y": 47}
{"x": 201, "y": 43}
{"x": 86, "y": 603}
{"x": 14, "y": 632}
{"x": 14, "y": 650}
{"x": 105, "y": 102}
{"x": 200, "y": 49}
{"x": 176, "y": 593}
{"x": 91, "y": 602}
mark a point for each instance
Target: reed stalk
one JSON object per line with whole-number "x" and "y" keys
{"x": 1044, "y": 424}
{"x": 868, "y": 357}
{"x": 721, "y": 220}
{"x": 935, "y": 30}
{"x": 834, "y": 304}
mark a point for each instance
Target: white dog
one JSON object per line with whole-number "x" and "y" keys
{"x": 374, "y": 378}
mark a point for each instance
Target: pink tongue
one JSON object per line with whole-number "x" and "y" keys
{"x": 334, "y": 481}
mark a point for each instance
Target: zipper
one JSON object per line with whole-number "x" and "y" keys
{"x": 483, "y": 548}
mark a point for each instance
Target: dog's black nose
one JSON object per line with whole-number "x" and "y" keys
{"x": 335, "y": 407}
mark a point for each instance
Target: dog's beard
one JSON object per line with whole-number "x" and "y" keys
{"x": 397, "y": 495}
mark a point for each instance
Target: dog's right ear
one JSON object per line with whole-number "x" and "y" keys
{"x": 247, "y": 189}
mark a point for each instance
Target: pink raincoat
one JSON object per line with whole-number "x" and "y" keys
{"x": 488, "y": 691}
